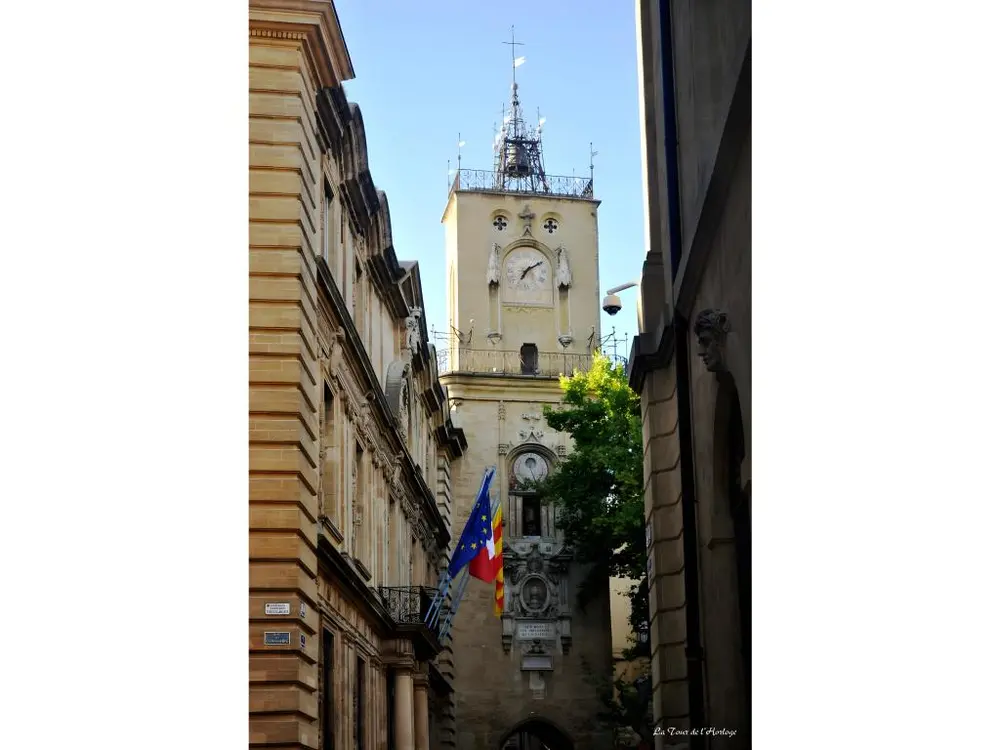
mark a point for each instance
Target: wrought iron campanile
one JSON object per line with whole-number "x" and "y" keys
{"x": 517, "y": 151}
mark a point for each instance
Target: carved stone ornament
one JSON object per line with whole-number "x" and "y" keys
{"x": 404, "y": 407}
{"x": 413, "y": 331}
{"x": 532, "y": 430}
{"x": 526, "y": 216}
{"x": 711, "y": 328}
{"x": 493, "y": 268}
{"x": 563, "y": 277}
{"x": 397, "y": 468}
{"x": 535, "y": 584}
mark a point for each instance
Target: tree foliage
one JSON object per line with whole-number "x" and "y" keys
{"x": 598, "y": 490}
{"x": 598, "y": 487}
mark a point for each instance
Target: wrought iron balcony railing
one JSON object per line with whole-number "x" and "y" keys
{"x": 497, "y": 362}
{"x": 408, "y": 605}
{"x": 484, "y": 179}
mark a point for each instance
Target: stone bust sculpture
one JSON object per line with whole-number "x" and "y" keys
{"x": 534, "y": 594}
{"x": 711, "y": 328}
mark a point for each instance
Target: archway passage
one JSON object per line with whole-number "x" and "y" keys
{"x": 536, "y": 734}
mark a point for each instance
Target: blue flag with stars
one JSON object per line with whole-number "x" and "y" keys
{"x": 477, "y": 529}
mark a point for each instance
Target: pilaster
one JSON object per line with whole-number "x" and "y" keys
{"x": 421, "y": 715}
{"x": 665, "y": 531}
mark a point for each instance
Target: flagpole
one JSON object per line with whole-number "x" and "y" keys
{"x": 461, "y": 579}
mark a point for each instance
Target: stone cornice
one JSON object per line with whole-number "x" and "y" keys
{"x": 313, "y": 21}
{"x": 332, "y": 115}
{"x": 650, "y": 351}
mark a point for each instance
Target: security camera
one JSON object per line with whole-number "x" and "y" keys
{"x": 612, "y": 304}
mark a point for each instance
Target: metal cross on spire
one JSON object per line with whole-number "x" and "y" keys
{"x": 514, "y": 60}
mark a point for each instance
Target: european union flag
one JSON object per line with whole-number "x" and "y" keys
{"x": 477, "y": 529}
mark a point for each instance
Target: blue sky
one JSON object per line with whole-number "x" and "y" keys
{"x": 427, "y": 71}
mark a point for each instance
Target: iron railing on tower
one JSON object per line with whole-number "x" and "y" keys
{"x": 497, "y": 362}
{"x": 486, "y": 180}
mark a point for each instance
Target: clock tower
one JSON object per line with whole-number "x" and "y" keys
{"x": 523, "y": 305}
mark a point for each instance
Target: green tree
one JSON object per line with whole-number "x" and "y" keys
{"x": 598, "y": 491}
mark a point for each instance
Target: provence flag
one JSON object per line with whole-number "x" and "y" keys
{"x": 498, "y": 585}
{"x": 477, "y": 529}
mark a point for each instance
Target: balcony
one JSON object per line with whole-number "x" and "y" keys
{"x": 529, "y": 364}
{"x": 486, "y": 180}
{"x": 408, "y": 607}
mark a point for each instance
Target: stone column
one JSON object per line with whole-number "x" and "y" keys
{"x": 404, "y": 710}
{"x": 421, "y": 715}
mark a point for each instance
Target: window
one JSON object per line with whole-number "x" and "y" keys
{"x": 359, "y": 706}
{"x": 531, "y": 516}
{"x": 550, "y": 225}
{"x": 325, "y": 227}
{"x": 326, "y": 691}
{"x": 500, "y": 223}
{"x": 358, "y": 541}
{"x": 529, "y": 359}
{"x": 358, "y": 273}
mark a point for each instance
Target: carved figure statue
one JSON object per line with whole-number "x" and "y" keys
{"x": 493, "y": 269}
{"x": 711, "y": 328}
{"x": 563, "y": 277}
{"x": 413, "y": 330}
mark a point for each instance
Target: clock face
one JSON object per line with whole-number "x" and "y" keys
{"x": 530, "y": 467}
{"x": 527, "y": 270}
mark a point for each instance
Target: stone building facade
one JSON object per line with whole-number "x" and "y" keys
{"x": 691, "y": 364}
{"x": 523, "y": 304}
{"x": 351, "y": 441}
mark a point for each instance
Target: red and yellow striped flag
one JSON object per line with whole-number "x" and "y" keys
{"x": 498, "y": 562}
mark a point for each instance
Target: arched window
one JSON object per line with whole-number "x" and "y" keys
{"x": 529, "y": 359}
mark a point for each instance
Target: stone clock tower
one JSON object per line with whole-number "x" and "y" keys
{"x": 523, "y": 306}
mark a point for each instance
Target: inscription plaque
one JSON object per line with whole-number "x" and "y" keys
{"x": 529, "y": 631}
{"x": 277, "y": 608}
{"x": 277, "y": 639}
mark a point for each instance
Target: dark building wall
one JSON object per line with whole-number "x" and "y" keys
{"x": 709, "y": 40}
{"x": 696, "y": 119}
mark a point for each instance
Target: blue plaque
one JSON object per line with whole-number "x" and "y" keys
{"x": 277, "y": 639}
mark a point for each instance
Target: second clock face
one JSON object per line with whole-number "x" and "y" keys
{"x": 527, "y": 270}
{"x": 530, "y": 467}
